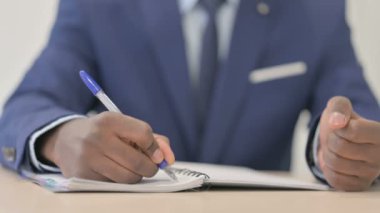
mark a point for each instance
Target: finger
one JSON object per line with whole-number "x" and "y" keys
{"x": 339, "y": 111}
{"x": 344, "y": 182}
{"x": 131, "y": 129}
{"x": 130, "y": 158}
{"x": 361, "y": 131}
{"x": 353, "y": 151}
{"x": 335, "y": 116}
{"x": 163, "y": 143}
{"x": 115, "y": 172}
{"x": 142, "y": 135}
{"x": 161, "y": 137}
{"x": 348, "y": 167}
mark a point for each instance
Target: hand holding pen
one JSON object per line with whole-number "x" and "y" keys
{"x": 156, "y": 154}
{"x": 109, "y": 146}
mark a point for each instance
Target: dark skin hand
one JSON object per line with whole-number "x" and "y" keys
{"x": 349, "y": 152}
{"x": 107, "y": 147}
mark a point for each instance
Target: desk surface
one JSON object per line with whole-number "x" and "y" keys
{"x": 18, "y": 195}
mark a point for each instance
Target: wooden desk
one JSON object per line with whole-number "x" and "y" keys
{"x": 18, "y": 195}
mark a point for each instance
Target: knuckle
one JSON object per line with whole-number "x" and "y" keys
{"x": 101, "y": 119}
{"x": 146, "y": 129}
{"x": 104, "y": 119}
{"x": 145, "y": 135}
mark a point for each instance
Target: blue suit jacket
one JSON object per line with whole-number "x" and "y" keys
{"x": 135, "y": 49}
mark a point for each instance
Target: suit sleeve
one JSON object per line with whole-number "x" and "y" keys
{"x": 51, "y": 89}
{"x": 339, "y": 74}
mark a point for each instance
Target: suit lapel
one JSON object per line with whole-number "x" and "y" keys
{"x": 249, "y": 34}
{"x": 163, "y": 24}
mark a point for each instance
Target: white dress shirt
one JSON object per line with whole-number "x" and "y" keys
{"x": 194, "y": 21}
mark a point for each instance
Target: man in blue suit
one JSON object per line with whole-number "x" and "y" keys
{"x": 224, "y": 80}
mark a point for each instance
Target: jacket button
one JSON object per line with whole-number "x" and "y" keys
{"x": 263, "y": 8}
{"x": 9, "y": 153}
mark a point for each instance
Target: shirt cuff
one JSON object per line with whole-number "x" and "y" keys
{"x": 316, "y": 169}
{"x": 32, "y": 141}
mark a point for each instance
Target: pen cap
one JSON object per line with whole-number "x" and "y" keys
{"x": 90, "y": 82}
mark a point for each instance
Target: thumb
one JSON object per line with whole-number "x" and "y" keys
{"x": 339, "y": 110}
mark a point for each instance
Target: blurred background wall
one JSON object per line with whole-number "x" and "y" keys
{"x": 25, "y": 25}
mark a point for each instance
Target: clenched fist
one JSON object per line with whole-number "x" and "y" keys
{"x": 109, "y": 147}
{"x": 349, "y": 151}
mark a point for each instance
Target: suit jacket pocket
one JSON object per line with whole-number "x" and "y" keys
{"x": 277, "y": 72}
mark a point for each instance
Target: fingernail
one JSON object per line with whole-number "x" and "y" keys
{"x": 337, "y": 119}
{"x": 157, "y": 156}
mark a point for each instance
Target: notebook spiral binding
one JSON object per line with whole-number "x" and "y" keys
{"x": 189, "y": 172}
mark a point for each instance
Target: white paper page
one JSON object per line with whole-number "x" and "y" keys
{"x": 159, "y": 183}
{"x": 242, "y": 176}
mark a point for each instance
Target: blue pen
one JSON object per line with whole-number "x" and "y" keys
{"x": 99, "y": 93}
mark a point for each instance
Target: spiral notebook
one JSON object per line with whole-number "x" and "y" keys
{"x": 190, "y": 176}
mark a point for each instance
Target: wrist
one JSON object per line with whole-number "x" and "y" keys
{"x": 57, "y": 138}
